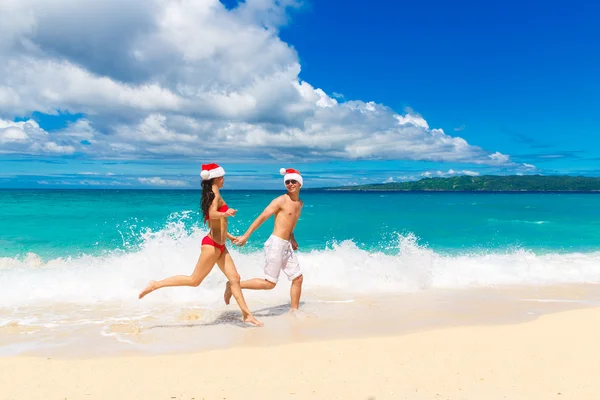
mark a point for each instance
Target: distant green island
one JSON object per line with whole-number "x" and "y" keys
{"x": 488, "y": 183}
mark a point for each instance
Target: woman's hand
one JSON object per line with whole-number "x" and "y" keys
{"x": 230, "y": 212}
{"x": 240, "y": 240}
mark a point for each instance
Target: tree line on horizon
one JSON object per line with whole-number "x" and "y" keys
{"x": 489, "y": 183}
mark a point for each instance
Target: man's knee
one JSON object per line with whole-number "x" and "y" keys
{"x": 298, "y": 280}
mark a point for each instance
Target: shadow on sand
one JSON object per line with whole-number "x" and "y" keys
{"x": 234, "y": 318}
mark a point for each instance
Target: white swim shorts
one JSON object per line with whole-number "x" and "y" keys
{"x": 279, "y": 256}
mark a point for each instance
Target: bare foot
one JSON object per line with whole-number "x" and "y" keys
{"x": 294, "y": 312}
{"x": 150, "y": 288}
{"x": 251, "y": 320}
{"x": 227, "y": 294}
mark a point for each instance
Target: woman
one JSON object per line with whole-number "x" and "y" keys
{"x": 213, "y": 251}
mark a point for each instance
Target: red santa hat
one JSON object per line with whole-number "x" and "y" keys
{"x": 211, "y": 171}
{"x": 290, "y": 173}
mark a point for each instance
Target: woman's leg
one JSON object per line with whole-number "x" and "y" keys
{"x": 225, "y": 262}
{"x": 206, "y": 262}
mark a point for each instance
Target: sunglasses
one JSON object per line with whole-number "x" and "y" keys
{"x": 291, "y": 182}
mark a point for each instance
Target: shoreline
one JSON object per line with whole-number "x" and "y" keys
{"x": 550, "y": 357}
{"x": 185, "y": 329}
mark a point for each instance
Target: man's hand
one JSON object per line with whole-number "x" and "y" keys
{"x": 240, "y": 240}
{"x": 294, "y": 245}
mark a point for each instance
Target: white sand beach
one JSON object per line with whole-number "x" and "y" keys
{"x": 552, "y": 357}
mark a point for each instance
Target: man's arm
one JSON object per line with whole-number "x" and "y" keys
{"x": 265, "y": 215}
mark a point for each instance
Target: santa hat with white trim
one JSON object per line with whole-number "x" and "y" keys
{"x": 211, "y": 171}
{"x": 290, "y": 173}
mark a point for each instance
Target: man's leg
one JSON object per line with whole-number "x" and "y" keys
{"x": 294, "y": 273}
{"x": 295, "y": 292}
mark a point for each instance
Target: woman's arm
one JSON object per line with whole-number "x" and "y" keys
{"x": 214, "y": 214}
{"x": 231, "y": 237}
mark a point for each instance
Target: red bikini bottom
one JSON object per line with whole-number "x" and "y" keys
{"x": 208, "y": 241}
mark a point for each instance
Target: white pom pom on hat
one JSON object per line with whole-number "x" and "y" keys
{"x": 211, "y": 171}
{"x": 290, "y": 173}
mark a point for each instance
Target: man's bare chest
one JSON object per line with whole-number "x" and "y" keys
{"x": 292, "y": 211}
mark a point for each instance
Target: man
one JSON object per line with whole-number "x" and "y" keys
{"x": 279, "y": 248}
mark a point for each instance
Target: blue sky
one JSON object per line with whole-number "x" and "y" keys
{"x": 347, "y": 92}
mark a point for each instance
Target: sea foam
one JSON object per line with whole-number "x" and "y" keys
{"x": 339, "y": 268}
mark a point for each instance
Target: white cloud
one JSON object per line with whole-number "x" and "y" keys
{"x": 55, "y": 183}
{"x": 450, "y": 172}
{"x": 89, "y": 182}
{"x": 189, "y": 79}
{"x": 85, "y": 182}
{"x": 552, "y": 156}
{"x": 405, "y": 178}
{"x": 157, "y": 181}
{"x": 95, "y": 173}
{"x": 52, "y": 147}
{"x": 13, "y": 134}
{"x": 47, "y": 85}
{"x": 499, "y": 158}
{"x": 27, "y": 137}
{"x": 411, "y": 119}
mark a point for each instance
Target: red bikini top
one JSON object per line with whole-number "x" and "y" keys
{"x": 223, "y": 208}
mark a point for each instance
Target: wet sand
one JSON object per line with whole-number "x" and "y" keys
{"x": 103, "y": 330}
{"x": 553, "y": 356}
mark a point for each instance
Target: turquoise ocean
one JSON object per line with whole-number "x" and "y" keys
{"x": 63, "y": 252}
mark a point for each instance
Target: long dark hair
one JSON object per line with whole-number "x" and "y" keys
{"x": 207, "y": 197}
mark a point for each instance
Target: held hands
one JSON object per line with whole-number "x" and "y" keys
{"x": 240, "y": 240}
